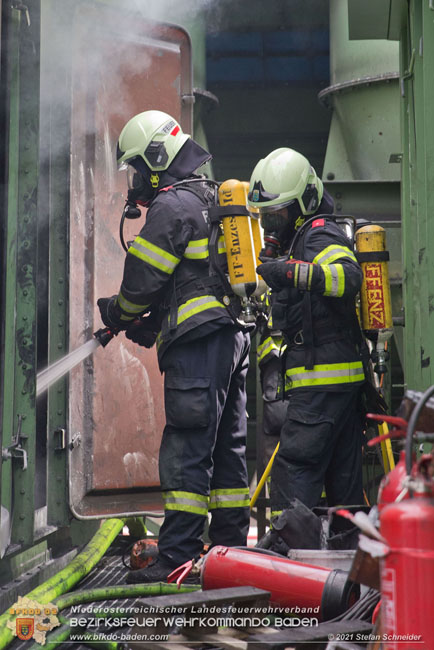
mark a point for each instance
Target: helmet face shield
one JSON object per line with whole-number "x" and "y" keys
{"x": 282, "y": 221}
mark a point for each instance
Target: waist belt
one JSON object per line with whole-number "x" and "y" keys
{"x": 320, "y": 336}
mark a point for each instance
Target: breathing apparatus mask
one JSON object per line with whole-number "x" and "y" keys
{"x": 145, "y": 183}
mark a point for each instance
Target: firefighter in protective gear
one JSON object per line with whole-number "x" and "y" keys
{"x": 201, "y": 351}
{"x": 313, "y": 304}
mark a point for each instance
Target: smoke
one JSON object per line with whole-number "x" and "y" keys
{"x": 87, "y": 47}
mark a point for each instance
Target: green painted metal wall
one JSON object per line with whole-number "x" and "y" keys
{"x": 417, "y": 101}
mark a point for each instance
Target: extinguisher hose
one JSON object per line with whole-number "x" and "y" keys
{"x": 412, "y": 427}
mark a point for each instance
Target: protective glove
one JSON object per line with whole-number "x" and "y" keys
{"x": 290, "y": 273}
{"x": 142, "y": 332}
{"x": 111, "y": 313}
{"x": 277, "y": 273}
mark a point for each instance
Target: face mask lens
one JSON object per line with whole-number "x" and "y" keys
{"x": 273, "y": 221}
{"x": 134, "y": 179}
{"x": 294, "y": 211}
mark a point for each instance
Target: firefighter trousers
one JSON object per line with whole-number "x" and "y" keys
{"x": 320, "y": 446}
{"x": 202, "y": 459}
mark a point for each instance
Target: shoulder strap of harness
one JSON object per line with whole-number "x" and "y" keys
{"x": 217, "y": 281}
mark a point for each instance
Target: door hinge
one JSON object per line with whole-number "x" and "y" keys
{"x": 15, "y": 450}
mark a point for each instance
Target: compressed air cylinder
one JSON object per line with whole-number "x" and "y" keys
{"x": 375, "y": 293}
{"x": 258, "y": 242}
{"x": 238, "y": 236}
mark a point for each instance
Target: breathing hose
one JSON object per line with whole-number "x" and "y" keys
{"x": 68, "y": 577}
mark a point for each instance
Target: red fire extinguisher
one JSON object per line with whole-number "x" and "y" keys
{"x": 407, "y": 574}
{"x": 407, "y": 568}
{"x": 314, "y": 591}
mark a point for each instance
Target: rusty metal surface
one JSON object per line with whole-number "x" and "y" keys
{"x": 116, "y": 396}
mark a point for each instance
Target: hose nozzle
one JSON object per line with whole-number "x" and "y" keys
{"x": 105, "y": 335}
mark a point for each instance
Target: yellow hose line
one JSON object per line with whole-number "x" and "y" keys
{"x": 263, "y": 478}
{"x": 386, "y": 449}
{"x": 68, "y": 577}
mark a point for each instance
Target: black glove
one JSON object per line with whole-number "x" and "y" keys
{"x": 277, "y": 273}
{"x": 111, "y": 313}
{"x": 143, "y": 332}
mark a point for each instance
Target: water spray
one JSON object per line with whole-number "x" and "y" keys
{"x": 59, "y": 368}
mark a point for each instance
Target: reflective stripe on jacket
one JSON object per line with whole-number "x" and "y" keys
{"x": 324, "y": 374}
{"x": 271, "y": 346}
{"x": 333, "y": 277}
{"x": 168, "y": 265}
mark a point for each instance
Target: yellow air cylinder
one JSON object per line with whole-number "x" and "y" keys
{"x": 376, "y": 306}
{"x": 258, "y": 241}
{"x": 240, "y": 248}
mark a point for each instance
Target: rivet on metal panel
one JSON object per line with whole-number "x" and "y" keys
{"x": 25, "y": 292}
{"x": 59, "y": 346}
{"x": 22, "y": 517}
{"x": 60, "y": 280}
{"x": 60, "y": 324}
{"x": 338, "y": 206}
{"x": 22, "y": 491}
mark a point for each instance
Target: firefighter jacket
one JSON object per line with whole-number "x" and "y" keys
{"x": 167, "y": 267}
{"x": 318, "y": 315}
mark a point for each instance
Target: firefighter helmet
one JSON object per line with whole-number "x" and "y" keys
{"x": 154, "y": 136}
{"x": 156, "y": 152}
{"x": 285, "y": 179}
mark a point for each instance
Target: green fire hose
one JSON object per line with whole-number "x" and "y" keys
{"x": 66, "y": 579}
